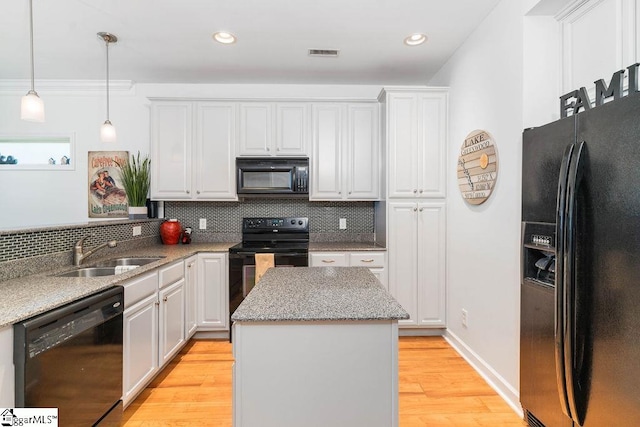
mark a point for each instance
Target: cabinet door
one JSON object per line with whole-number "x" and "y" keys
{"x": 191, "y": 284}
{"x": 381, "y": 274}
{"x": 402, "y": 141}
{"x": 363, "y": 163}
{"x": 431, "y": 268}
{"x": 171, "y": 130}
{"x": 212, "y": 295}
{"x": 215, "y": 158}
{"x": 403, "y": 258}
{"x": 171, "y": 320}
{"x": 432, "y": 136}
{"x": 256, "y": 127}
{"x": 326, "y": 174}
{"x": 292, "y": 129}
{"x": 140, "y": 349}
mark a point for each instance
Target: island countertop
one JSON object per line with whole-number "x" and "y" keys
{"x": 318, "y": 294}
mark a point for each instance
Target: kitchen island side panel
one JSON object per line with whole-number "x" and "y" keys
{"x": 316, "y": 374}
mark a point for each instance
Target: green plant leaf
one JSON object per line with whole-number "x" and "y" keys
{"x": 136, "y": 179}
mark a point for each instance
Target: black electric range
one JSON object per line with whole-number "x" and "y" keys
{"x": 287, "y": 238}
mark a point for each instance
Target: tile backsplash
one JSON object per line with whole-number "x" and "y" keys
{"x": 224, "y": 219}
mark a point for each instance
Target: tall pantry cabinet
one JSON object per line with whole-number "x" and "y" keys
{"x": 414, "y": 138}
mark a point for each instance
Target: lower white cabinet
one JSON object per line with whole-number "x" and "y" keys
{"x": 140, "y": 349}
{"x": 153, "y": 325}
{"x": 191, "y": 287}
{"x": 172, "y": 320}
{"x": 140, "y": 334}
{"x": 417, "y": 261}
{"x": 374, "y": 260}
{"x": 213, "y": 292}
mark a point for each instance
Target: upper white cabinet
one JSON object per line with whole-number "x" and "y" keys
{"x": 345, "y": 159}
{"x": 416, "y": 134}
{"x": 193, "y": 150}
{"x": 273, "y": 129}
{"x": 171, "y": 145}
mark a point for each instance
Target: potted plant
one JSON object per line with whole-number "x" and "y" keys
{"x": 136, "y": 179}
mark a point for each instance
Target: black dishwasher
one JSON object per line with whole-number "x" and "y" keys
{"x": 70, "y": 358}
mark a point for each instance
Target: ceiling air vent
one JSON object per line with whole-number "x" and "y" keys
{"x": 330, "y": 53}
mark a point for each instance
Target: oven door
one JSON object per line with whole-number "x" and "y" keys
{"x": 242, "y": 272}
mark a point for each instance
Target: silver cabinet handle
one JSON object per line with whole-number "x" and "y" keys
{"x": 198, "y": 191}
{"x": 156, "y": 303}
{"x": 268, "y": 149}
{"x": 415, "y": 209}
{"x": 165, "y": 299}
{"x": 415, "y": 191}
{"x": 188, "y": 192}
{"x": 421, "y": 209}
{"x": 420, "y": 191}
{"x": 328, "y": 261}
{"x": 278, "y": 149}
{"x": 366, "y": 260}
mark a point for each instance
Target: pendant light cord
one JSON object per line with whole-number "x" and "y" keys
{"x": 107, "y": 42}
{"x": 31, "y": 34}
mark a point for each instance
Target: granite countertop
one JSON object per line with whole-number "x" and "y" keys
{"x": 345, "y": 246}
{"x": 28, "y": 296}
{"x": 318, "y": 293}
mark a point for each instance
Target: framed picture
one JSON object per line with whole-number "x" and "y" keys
{"x": 107, "y": 198}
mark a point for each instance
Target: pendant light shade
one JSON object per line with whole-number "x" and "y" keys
{"x": 32, "y": 107}
{"x": 107, "y": 130}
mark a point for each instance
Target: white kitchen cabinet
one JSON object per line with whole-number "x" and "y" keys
{"x": 416, "y": 134}
{"x": 416, "y": 250}
{"x": 7, "y": 373}
{"x": 193, "y": 150}
{"x": 374, "y": 260}
{"x": 273, "y": 129}
{"x": 140, "y": 346}
{"x": 191, "y": 286}
{"x": 171, "y": 149}
{"x": 346, "y": 160}
{"x": 171, "y": 320}
{"x": 213, "y": 293}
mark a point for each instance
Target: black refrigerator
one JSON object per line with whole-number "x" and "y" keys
{"x": 580, "y": 288}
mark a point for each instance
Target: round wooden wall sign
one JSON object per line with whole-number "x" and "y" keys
{"x": 477, "y": 167}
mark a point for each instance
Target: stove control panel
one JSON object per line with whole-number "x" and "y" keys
{"x": 290, "y": 224}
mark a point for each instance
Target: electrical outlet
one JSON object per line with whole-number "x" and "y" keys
{"x": 137, "y": 230}
{"x": 464, "y": 317}
{"x": 343, "y": 223}
{"x": 203, "y": 223}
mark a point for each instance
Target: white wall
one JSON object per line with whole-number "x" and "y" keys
{"x": 483, "y": 242}
{"x": 40, "y": 198}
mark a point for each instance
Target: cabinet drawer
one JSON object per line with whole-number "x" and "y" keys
{"x": 337, "y": 259}
{"x": 171, "y": 274}
{"x": 366, "y": 259}
{"x": 139, "y": 288}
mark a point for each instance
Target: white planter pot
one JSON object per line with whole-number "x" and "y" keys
{"x": 137, "y": 212}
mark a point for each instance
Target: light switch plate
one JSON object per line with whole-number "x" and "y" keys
{"x": 343, "y": 223}
{"x": 137, "y": 230}
{"x": 203, "y": 223}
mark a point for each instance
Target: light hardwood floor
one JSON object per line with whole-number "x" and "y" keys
{"x": 437, "y": 388}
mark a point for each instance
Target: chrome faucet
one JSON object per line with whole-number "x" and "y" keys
{"x": 78, "y": 250}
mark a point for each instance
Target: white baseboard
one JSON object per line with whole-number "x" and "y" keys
{"x": 495, "y": 380}
{"x": 208, "y": 335}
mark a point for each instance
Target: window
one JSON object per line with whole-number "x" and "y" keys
{"x": 37, "y": 152}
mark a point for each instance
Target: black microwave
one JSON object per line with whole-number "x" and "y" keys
{"x": 272, "y": 176}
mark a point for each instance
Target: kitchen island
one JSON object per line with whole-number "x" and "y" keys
{"x": 316, "y": 347}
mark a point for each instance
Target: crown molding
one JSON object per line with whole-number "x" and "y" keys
{"x": 8, "y": 86}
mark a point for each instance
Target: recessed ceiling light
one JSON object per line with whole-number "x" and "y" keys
{"x": 224, "y": 37}
{"x": 415, "y": 39}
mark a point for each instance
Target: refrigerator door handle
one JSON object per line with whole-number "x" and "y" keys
{"x": 560, "y": 318}
{"x": 571, "y": 361}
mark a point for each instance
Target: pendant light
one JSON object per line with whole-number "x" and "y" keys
{"x": 107, "y": 131}
{"x": 32, "y": 107}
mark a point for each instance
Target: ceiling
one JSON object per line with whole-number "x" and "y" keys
{"x": 169, "y": 41}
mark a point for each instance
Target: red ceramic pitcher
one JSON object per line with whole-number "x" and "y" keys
{"x": 170, "y": 232}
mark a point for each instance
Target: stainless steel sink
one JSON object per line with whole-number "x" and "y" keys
{"x": 89, "y": 272}
{"x": 127, "y": 261}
